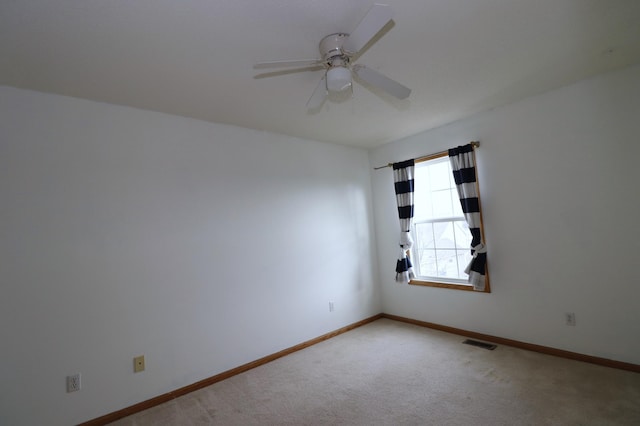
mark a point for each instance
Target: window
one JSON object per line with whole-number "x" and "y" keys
{"x": 442, "y": 240}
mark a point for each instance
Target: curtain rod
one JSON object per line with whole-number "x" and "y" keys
{"x": 475, "y": 144}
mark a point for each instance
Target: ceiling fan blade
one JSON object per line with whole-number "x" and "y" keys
{"x": 319, "y": 94}
{"x": 376, "y": 18}
{"x": 286, "y": 63}
{"x": 380, "y": 81}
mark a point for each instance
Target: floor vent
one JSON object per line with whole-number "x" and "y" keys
{"x": 480, "y": 344}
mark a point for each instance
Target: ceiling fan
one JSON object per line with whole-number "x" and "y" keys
{"x": 338, "y": 51}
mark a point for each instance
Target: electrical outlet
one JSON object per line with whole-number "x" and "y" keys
{"x": 138, "y": 364}
{"x": 73, "y": 383}
{"x": 570, "y": 318}
{"x": 331, "y": 307}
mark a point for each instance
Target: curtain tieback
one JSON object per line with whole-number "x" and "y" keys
{"x": 406, "y": 242}
{"x": 480, "y": 248}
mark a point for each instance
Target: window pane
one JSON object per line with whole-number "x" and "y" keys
{"x": 443, "y": 232}
{"x": 457, "y": 207}
{"x": 462, "y": 234}
{"x": 427, "y": 263}
{"x": 439, "y": 175}
{"x": 421, "y": 173}
{"x": 442, "y": 204}
{"x": 447, "y": 263}
{"x": 464, "y": 257}
{"x": 424, "y": 235}
{"x": 422, "y": 205}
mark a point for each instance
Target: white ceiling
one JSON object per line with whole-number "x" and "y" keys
{"x": 195, "y": 57}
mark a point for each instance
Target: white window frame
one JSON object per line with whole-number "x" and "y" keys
{"x": 430, "y": 281}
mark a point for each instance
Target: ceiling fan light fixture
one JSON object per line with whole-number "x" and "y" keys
{"x": 338, "y": 79}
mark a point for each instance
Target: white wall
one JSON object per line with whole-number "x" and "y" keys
{"x": 560, "y": 192}
{"x": 202, "y": 246}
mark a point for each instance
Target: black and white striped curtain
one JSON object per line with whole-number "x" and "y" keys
{"x": 463, "y": 164}
{"x": 403, "y": 180}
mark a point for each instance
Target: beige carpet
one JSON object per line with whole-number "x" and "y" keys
{"x": 392, "y": 373}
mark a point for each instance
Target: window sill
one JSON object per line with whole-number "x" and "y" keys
{"x": 449, "y": 286}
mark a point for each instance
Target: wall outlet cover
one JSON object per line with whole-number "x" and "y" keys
{"x": 73, "y": 383}
{"x": 570, "y": 318}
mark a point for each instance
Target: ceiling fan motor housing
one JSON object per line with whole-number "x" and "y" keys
{"x": 331, "y": 48}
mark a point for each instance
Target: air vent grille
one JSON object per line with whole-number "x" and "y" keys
{"x": 484, "y": 345}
